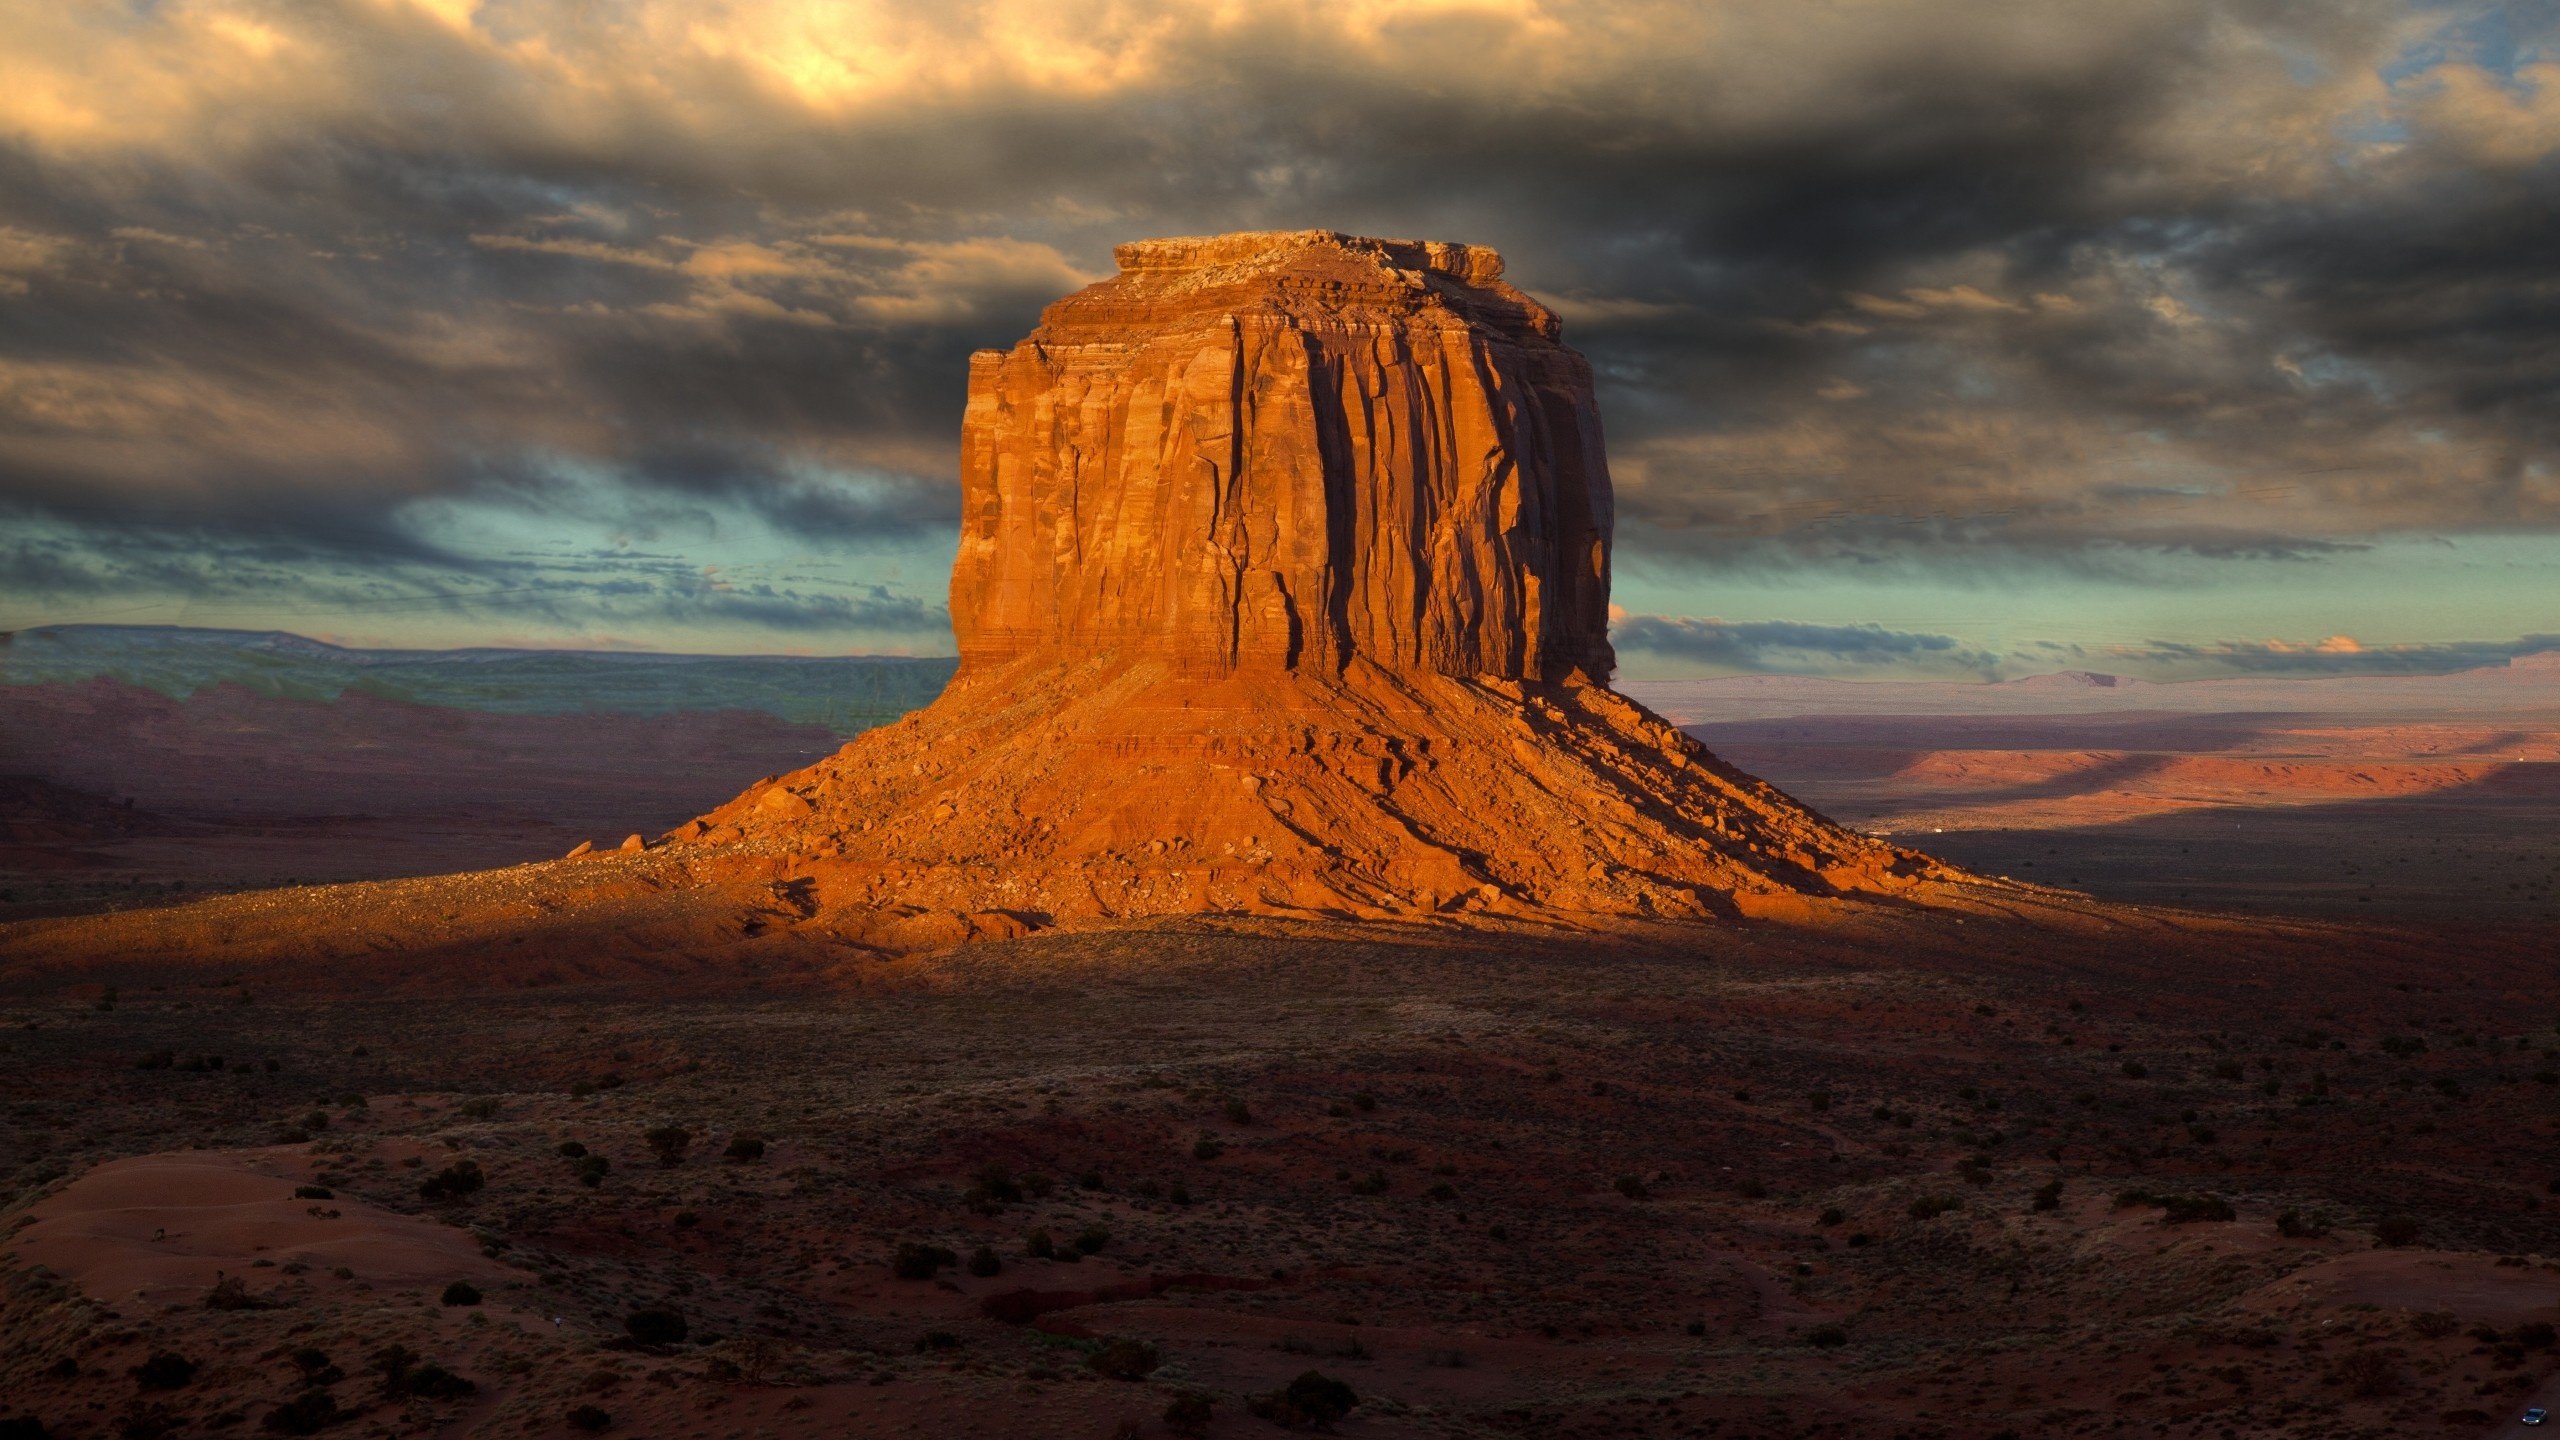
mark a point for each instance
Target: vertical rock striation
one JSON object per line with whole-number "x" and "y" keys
{"x": 1288, "y": 452}
{"x": 1283, "y": 588}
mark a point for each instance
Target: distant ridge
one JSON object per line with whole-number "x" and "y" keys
{"x": 2073, "y": 680}
{"x": 848, "y": 694}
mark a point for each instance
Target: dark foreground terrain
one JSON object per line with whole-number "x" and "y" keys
{"x": 2079, "y": 1172}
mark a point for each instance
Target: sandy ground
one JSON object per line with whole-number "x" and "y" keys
{"x": 1498, "y": 1186}
{"x": 1933, "y": 1176}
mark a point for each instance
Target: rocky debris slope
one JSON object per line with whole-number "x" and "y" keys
{"x": 1283, "y": 589}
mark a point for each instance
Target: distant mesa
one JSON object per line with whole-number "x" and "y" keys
{"x": 1282, "y": 589}
{"x": 2074, "y": 680}
{"x": 2538, "y": 660}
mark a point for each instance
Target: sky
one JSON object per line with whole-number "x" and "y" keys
{"x": 1958, "y": 338}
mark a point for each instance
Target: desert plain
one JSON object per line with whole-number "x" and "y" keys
{"x": 1740, "y": 1179}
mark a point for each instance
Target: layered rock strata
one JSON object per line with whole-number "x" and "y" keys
{"x": 1283, "y": 589}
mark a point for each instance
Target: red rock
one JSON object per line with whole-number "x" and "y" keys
{"x": 1285, "y": 452}
{"x": 1283, "y": 589}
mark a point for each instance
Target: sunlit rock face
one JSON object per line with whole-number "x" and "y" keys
{"x": 1283, "y": 589}
{"x": 1284, "y": 451}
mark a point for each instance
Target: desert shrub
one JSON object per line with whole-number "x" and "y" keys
{"x": 1307, "y": 1402}
{"x": 589, "y": 1419}
{"x": 1038, "y": 1245}
{"x": 2127, "y": 1199}
{"x": 996, "y": 1184}
{"x": 656, "y": 1325}
{"x": 1826, "y": 1337}
{"x": 2192, "y": 1209}
{"x": 668, "y": 1143}
{"x": 1125, "y": 1360}
{"x": 314, "y": 1192}
{"x": 2135, "y": 1070}
{"x": 744, "y": 1149}
{"x": 1091, "y": 1239}
{"x": 484, "y": 1107}
{"x": 2433, "y": 1324}
{"x": 308, "y": 1413}
{"x": 1364, "y": 1102}
{"x": 936, "y": 1340}
{"x": 2299, "y": 1224}
{"x": 2048, "y": 1196}
{"x": 1238, "y": 1113}
{"x": 2230, "y": 1070}
{"x": 983, "y": 1262}
{"x": 231, "y": 1293}
{"x": 316, "y": 1367}
{"x": 1441, "y": 1191}
{"x": 1930, "y": 1207}
{"x": 1189, "y": 1415}
{"x": 149, "y": 1422}
{"x": 1208, "y": 1147}
{"x": 1832, "y": 1215}
{"x": 1820, "y": 1100}
{"x": 581, "y": 1089}
{"x": 591, "y": 1170}
{"x": 570, "y": 1150}
{"x": 1751, "y": 1190}
{"x": 158, "y": 1060}
{"x": 2394, "y": 1231}
{"x": 1373, "y": 1183}
{"x": 2368, "y": 1374}
{"x": 2402, "y": 1045}
{"x": 1179, "y": 1194}
{"x": 456, "y": 1181}
{"x": 1089, "y": 1180}
{"x": 461, "y": 1292}
{"x": 165, "y": 1370}
{"x": 1037, "y": 1185}
{"x": 916, "y": 1261}
{"x": 405, "y": 1374}
{"x": 1633, "y": 1187}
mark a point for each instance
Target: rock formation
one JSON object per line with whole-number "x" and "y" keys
{"x": 1283, "y": 588}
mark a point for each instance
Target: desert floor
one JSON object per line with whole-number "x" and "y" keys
{"x": 2282, "y": 1161}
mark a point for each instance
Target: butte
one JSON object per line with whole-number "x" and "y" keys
{"x": 1283, "y": 589}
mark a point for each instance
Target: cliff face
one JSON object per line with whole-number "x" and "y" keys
{"x": 1282, "y": 589}
{"x": 1285, "y": 452}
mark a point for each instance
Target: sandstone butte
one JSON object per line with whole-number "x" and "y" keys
{"x": 1283, "y": 589}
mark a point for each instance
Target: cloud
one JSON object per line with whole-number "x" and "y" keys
{"x": 1788, "y": 647}
{"x": 1793, "y": 647}
{"x": 1938, "y": 283}
{"x": 2335, "y": 655}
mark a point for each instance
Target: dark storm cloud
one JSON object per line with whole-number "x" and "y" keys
{"x": 283, "y": 582}
{"x": 1971, "y": 283}
{"x": 2335, "y": 656}
{"x": 1785, "y": 645}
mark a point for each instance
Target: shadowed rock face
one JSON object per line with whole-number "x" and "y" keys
{"x": 1283, "y": 452}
